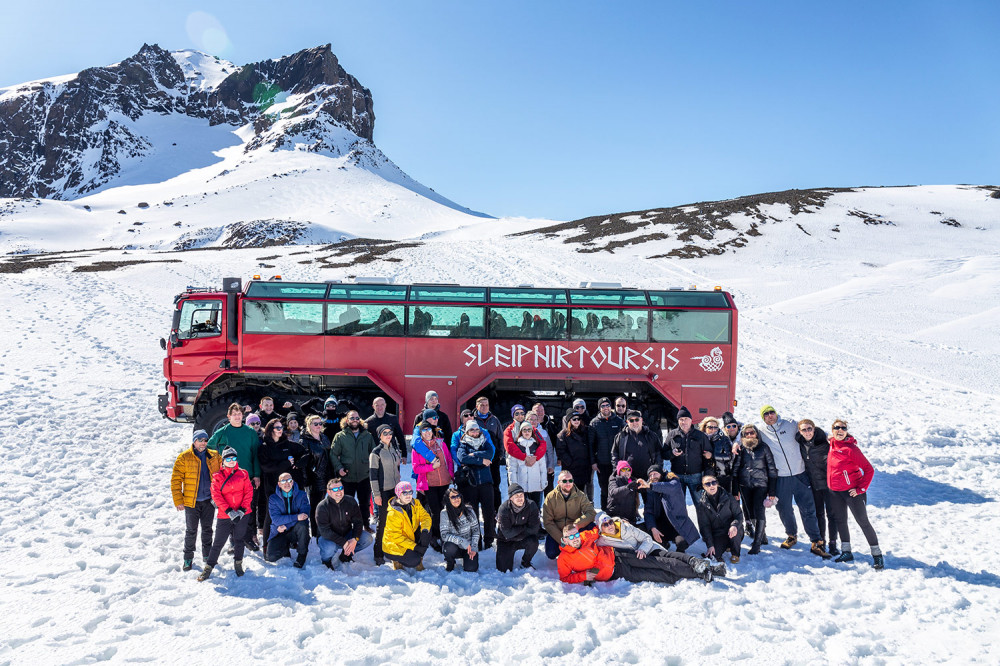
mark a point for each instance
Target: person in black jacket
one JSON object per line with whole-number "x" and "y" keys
{"x": 277, "y": 455}
{"x": 721, "y": 464}
{"x": 720, "y": 520}
{"x": 573, "y": 447}
{"x": 603, "y": 429}
{"x": 758, "y": 479}
{"x": 637, "y": 445}
{"x": 317, "y": 464}
{"x": 382, "y": 417}
{"x": 623, "y": 494}
{"x": 580, "y": 409}
{"x": 689, "y": 452}
{"x": 815, "y": 448}
{"x": 341, "y": 528}
{"x": 489, "y": 423}
{"x": 518, "y": 527}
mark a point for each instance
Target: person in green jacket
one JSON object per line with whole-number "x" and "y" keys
{"x": 245, "y": 441}
{"x": 349, "y": 453}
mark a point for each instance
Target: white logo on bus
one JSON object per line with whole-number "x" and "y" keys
{"x": 571, "y": 358}
{"x": 711, "y": 362}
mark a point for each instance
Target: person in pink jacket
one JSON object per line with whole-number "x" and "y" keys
{"x": 848, "y": 475}
{"x": 433, "y": 477}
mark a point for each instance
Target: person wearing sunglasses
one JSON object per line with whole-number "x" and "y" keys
{"x": 793, "y": 480}
{"x": 634, "y": 544}
{"x": 316, "y": 462}
{"x": 459, "y": 532}
{"x": 815, "y": 448}
{"x": 407, "y": 530}
{"x": 565, "y": 505}
{"x": 381, "y": 417}
{"x": 191, "y": 487}
{"x": 576, "y": 455}
{"x": 350, "y": 450}
{"x": 720, "y": 519}
{"x": 278, "y": 455}
{"x": 474, "y": 454}
{"x": 340, "y": 525}
{"x": 757, "y": 478}
{"x": 623, "y": 493}
{"x": 232, "y": 493}
{"x": 604, "y": 428}
{"x": 637, "y": 445}
{"x": 849, "y": 474}
{"x": 288, "y": 510}
{"x": 721, "y": 464}
{"x": 434, "y": 473}
{"x": 383, "y": 475}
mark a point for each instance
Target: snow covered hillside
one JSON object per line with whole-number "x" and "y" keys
{"x": 892, "y": 327}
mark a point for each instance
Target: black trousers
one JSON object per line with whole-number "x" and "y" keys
{"x": 382, "y": 513}
{"x": 657, "y": 567}
{"x": 223, "y": 529}
{"x": 495, "y": 473}
{"x": 411, "y": 557}
{"x": 755, "y": 502}
{"x": 362, "y": 490}
{"x": 550, "y": 485}
{"x": 584, "y": 478}
{"x": 315, "y": 497}
{"x": 604, "y": 473}
{"x": 507, "y": 549}
{"x": 727, "y": 482}
{"x": 535, "y": 497}
{"x": 480, "y": 498}
{"x": 723, "y": 542}
{"x": 297, "y": 537}
{"x": 199, "y": 515}
{"x": 433, "y": 501}
{"x": 824, "y": 515}
{"x": 453, "y": 552}
{"x": 840, "y": 502}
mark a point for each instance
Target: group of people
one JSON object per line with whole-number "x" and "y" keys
{"x": 261, "y": 473}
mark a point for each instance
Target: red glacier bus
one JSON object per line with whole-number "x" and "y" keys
{"x": 296, "y": 340}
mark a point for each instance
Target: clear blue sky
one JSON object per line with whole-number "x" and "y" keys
{"x": 568, "y": 109}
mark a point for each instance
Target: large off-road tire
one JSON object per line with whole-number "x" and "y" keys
{"x": 213, "y": 415}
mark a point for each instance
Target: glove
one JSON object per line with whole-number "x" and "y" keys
{"x": 233, "y": 514}
{"x": 424, "y": 538}
{"x": 240, "y": 513}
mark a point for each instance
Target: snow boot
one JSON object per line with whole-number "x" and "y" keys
{"x": 206, "y": 572}
{"x": 879, "y": 562}
{"x": 238, "y": 567}
{"x": 734, "y": 559}
{"x": 817, "y": 549}
{"x": 420, "y": 566}
{"x": 700, "y": 566}
{"x": 758, "y": 539}
{"x": 718, "y": 570}
{"x": 789, "y": 542}
{"x": 748, "y": 530}
{"x": 299, "y": 562}
{"x": 845, "y": 556}
{"x": 345, "y": 558}
{"x": 328, "y": 564}
{"x": 833, "y": 550}
{"x": 396, "y": 566}
{"x": 379, "y": 561}
{"x": 188, "y": 565}
{"x": 449, "y": 565}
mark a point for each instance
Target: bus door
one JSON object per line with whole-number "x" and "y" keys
{"x": 197, "y": 340}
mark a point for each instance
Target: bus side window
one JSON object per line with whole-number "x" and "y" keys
{"x": 364, "y": 319}
{"x": 447, "y": 321}
{"x": 283, "y": 318}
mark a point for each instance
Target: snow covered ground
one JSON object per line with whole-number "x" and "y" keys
{"x": 893, "y": 329}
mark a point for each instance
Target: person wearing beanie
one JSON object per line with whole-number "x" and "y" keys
{"x": 426, "y": 417}
{"x": 331, "y": 422}
{"x": 246, "y": 442}
{"x": 793, "y": 479}
{"x": 381, "y": 417}
{"x": 474, "y": 455}
{"x": 191, "y": 488}
{"x": 637, "y": 445}
{"x": 604, "y": 428}
{"x": 434, "y": 472}
{"x": 407, "y": 530}
{"x": 511, "y": 434}
{"x": 579, "y": 408}
{"x": 383, "y": 475}
{"x": 623, "y": 497}
{"x": 518, "y": 527}
{"x": 232, "y": 494}
{"x": 293, "y": 427}
{"x": 443, "y": 422}
{"x": 689, "y": 452}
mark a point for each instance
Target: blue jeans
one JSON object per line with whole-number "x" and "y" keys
{"x": 691, "y": 482}
{"x": 799, "y": 488}
{"x": 329, "y": 549}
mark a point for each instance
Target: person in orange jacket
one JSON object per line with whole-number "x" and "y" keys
{"x": 581, "y": 560}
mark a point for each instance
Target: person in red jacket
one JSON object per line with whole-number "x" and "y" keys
{"x": 581, "y": 560}
{"x": 848, "y": 475}
{"x": 232, "y": 493}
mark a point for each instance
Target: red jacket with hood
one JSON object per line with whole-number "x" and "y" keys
{"x": 847, "y": 467}
{"x": 231, "y": 493}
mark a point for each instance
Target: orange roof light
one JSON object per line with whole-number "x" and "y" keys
{"x": 256, "y": 277}
{"x": 718, "y": 288}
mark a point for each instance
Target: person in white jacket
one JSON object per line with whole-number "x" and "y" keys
{"x": 529, "y": 473}
{"x": 793, "y": 480}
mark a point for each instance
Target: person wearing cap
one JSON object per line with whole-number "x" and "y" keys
{"x": 637, "y": 445}
{"x": 434, "y": 474}
{"x": 443, "y": 422}
{"x": 576, "y": 455}
{"x": 757, "y": 478}
{"x": 689, "y": 452}
{"x": 566, "y": 505}
{"x": 232, "y": 493}
{"x": 245, "y": 441}
{"x": 548, "y": 431}
{"x": 288, "y": 510}
{"x": 579, "y": 407}
{"x": 407, "y": 530}
{"x": 383, "y": 475}
{"x": 350, "y": 451}
{"x": 459, "y": 532}
{"x": 583, "y": 560}
{"x": 381, "y": 417}
{"x": 331, "y": 422}
{"x": 720, "y": 519}
{"x": 623, "y": 493}
{"x": 340, "y": 524}
{"x": 490, "y": 424}
{"x": 731, "y": 432}
{"x": 525, "y": 461}
{"x": 604, "y": 428}
{"x": 665, "y": 512}
{"x": 518, "y": 527}
{"x": 191, "y": 487}
{"x": 793, "y": 480}
{"x": 622, "y": 535}
{"x": 474, "y": 454}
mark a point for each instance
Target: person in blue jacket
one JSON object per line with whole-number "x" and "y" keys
{"x": 665, "y": 512}
{"x": 474, "y": 452}
{"x": 289, "y": 509}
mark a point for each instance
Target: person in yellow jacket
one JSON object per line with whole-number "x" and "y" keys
{"x": 407, "y": 530}
{"x": 191, "y": 487}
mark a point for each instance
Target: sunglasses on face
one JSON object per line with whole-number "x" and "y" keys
{"x": 278, "y": 427}
{"x": 731, "y": 425}
{"x": 709, "y": 484}
{"x": 805, "y": 429}
{"x": 839, "y": 427}
{"x": 567, "y": 482}
{"x": 571, "y": 537}
{"x": 315, "y": 424}
{"x": 406, "y": 493}
{"x": 769, "y": 413}
{"x": 387, "y": 433}
{"x": 229, "y": 459}
{"x": 454, "y": 497}
{"x": 711, "y": 427}
{"x": 575, "y": 418}
{"x": 284, "y": 481}
{"x": 336, "y": 489}
{"x": 634, "y": 420}
{"x": 354, "y": 418}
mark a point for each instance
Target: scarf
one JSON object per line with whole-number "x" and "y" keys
{"x": 475, "y": 443}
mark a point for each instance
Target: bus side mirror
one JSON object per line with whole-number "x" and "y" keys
{"x": 163, "y": 343}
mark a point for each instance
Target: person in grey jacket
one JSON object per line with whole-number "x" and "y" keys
{"x": 459, "y": 533}
{"x": 793, "y": 481}
{"x": 383, "y": 475}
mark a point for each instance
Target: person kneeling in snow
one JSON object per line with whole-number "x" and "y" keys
{"x": 407, "y": 530}
{"x": 289, "y": 512}
{"x": 719, "y": 519}
{"x": 582, "y": 560}
{"x": 518, "y": 527}
{"x": 341, "y": 527}
{"x": 459, "y": 532}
